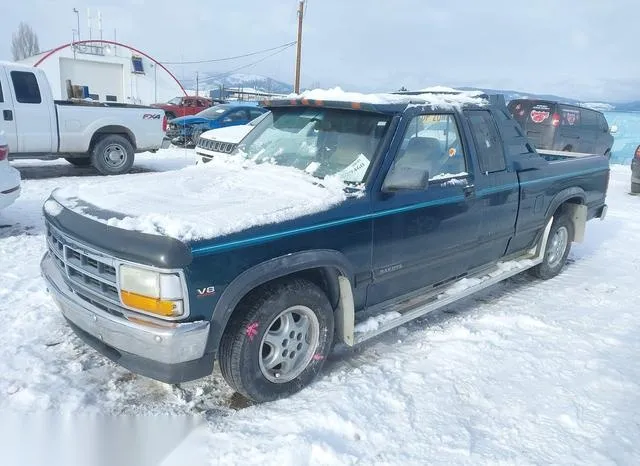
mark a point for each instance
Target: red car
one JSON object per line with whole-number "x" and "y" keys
{"x": 183, "y": 106}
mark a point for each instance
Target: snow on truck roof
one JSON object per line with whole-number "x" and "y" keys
{"x": 439, "y": 97}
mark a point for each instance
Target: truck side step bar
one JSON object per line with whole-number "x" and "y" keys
{"x": 389, "y": 316}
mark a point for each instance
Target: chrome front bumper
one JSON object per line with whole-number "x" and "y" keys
{"x": 162, "y": 342}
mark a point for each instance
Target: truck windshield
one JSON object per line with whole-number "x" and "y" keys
{"x": 321, "y": 141}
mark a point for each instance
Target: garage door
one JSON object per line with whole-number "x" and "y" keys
{"x": 103, "y": 79}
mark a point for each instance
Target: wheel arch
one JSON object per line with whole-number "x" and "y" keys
{"x": 109, "y": 130}
{"x": 328, "y": 269}
{"x": 572, "y": 202}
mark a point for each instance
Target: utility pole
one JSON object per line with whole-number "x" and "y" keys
{"x": 299, "y": 44}
{"x": 197, "y": 85}
{"x": 75, "y": 10}
{"x": 89, "y": 22}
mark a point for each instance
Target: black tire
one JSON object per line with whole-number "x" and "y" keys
{"x": 635, "y": 188}
{"x": 113, "y": 155}
{"x": 554, "y": 260}
{"x": 242, "y": 349}
{"x": 79, "y": 161}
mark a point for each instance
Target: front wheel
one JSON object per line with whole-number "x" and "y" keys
{"x": 113, "y": 155}
{"x": 558, "y": 246}
{"x": 277, "y": 340}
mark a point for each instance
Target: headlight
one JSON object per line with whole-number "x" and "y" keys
{"x": 150, "y": 291}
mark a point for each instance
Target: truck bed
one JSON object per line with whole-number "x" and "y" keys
{"x": 93, "y": 103}
{"x": 555, "y": 155}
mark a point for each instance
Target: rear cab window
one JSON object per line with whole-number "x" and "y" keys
{"x": 487, "y": 141}
{"x": 26, "y": 87}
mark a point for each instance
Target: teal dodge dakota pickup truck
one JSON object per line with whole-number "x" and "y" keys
{"x": 340, "y": 216}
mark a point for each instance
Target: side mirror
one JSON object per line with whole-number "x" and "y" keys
{"x": 405, "y": 178}
{"x": 613, "y": 129}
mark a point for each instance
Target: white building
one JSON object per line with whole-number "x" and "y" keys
{"x": 109, "y": 71}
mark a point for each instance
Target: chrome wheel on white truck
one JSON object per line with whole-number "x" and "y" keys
{"x": 113, "y": 155}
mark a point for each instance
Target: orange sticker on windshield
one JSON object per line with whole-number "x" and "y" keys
{"x": 452, "y": 152}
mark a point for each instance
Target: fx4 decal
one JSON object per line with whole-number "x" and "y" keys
{"x": 204, "y": 292}
{"x": 151, "y": 116}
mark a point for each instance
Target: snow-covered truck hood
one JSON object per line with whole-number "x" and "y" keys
{"x": 202, "y": 202}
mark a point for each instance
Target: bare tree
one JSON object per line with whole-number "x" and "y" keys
{"x": 24, "y": 42}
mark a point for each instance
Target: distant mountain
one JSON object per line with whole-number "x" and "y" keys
{"x": 213, "y": 81}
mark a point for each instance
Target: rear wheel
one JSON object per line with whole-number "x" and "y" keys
{"x": 79, "y": 161}
{"x": 277, "y": 340}
{"x": 113, "y": 155}
{"x": 558, "y": 247}
{"x": 635, "y": 188}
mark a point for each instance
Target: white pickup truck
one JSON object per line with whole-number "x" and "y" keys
{"x": 105, "y": 135}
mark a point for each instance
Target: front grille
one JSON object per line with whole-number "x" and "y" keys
{"x": 86, "y": 272}
{"x": 216, "y": 146}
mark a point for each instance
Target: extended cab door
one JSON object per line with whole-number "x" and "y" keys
{"x": 7, "y": 119}
{"x": 497, "y": 187}
{"x": 424, "y": 236}
{"x": 33, "y": 111}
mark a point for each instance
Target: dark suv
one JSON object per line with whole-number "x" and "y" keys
{"x": 557, "y": 126}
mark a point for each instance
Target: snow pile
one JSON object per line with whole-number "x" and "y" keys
{"x": 206, "y": 201}
{"x": 374, "y": 323}
{"x": 433, "y": 98}
{"x": 444, "y": 176}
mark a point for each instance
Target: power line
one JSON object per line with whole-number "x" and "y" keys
{"x": 248, "y": 65}
{"x": 283, "y": 46}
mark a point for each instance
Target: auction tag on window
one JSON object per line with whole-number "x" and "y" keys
{"x": 355, "y": 171}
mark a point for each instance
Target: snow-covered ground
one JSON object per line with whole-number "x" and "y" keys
{"x": 528, "y": 372}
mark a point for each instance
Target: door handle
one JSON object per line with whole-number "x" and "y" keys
{"x": 469, "y": 191}
{"x": 7, "y": 115}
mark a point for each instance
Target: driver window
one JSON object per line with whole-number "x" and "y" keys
{"x": 432, "y": 143}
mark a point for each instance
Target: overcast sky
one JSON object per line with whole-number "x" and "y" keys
{"x": 587, "y": 49}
